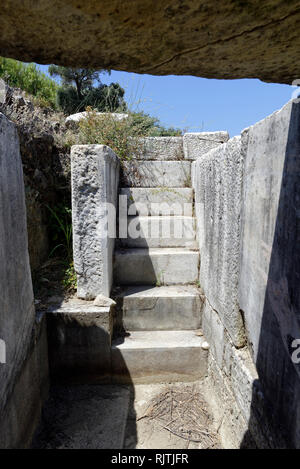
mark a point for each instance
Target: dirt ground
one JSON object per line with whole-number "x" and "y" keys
{"x": 159, "y": 416}
{"x": 170, "y": 416}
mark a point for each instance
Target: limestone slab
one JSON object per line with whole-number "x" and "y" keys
{"x": 79, "y": 337}
{"x": 218, "y": 178}
{"x": 164, "y": 266}
{"x": 158, "y": 356}
{"x": 95, "y": 177}
{"x": 160, "y": 148}
{"x": 270, "y": 244}
{"x": 196, "y": 144}
{"x": 160, "y": 308}
{"x": 22, "y": 373}
{"x": 234, "y": 41}
{"x": 159, "y": 201}
{"x": 137, "y": 173}
{"x": 160, "y": 231}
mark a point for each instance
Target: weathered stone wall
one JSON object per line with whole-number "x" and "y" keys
{"x": 248, "y": 205}
{"x": 270, "y": 263}
{"x": 46, "y": 167}
{"x": 23, "y": 376}
{"x": 218, "y": 189}
{"x": 95, "y": 180}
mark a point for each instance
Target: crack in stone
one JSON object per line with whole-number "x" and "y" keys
{"x": 195, "y": 49}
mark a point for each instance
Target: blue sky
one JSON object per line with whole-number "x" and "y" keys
{"x": 198, "y": 104}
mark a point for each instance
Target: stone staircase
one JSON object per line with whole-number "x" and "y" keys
{"x": 156, "y": 273}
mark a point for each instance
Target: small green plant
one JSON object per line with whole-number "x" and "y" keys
{"x": 160, "y": 278}
{"x": 61, "y": 228}
{"x": 70, "y": 279}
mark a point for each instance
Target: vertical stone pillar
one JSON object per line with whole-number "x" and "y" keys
{"x": 95, "y": 180}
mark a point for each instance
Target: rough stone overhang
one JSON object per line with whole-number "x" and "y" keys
{"x": 208, "y": 38}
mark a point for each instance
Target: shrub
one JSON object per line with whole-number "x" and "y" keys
{"x": 30, "y": 79}
{"x": 151, "y": 127}
{"x": 122, "y": 136}
{"x": 105, "y": 129}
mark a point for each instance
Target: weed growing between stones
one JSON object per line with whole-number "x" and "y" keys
{"x": 121, "y": 135}
{"x": 70, "y": 279}
{"x": 61, "y": 238}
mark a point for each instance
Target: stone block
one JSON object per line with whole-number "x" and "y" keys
{"x": 21, "y": 375}
{"x": 218, "y": 192}
{"x": 79, "y": 337}
{"x": 160, "y": 148}
{"x": 159, "y": 201}
{"x": 95, "y": 178}
{"x": 160, "y": 232}
{"x": 214, "y": 332}
{"x": 270, "y": 252}
{"x": 196, "y": 144}
{"x": 159, "y": 356}
{"x": 163, "y": 266}
{"x": 160, "y": 308}
{"x": 137, "y": 173}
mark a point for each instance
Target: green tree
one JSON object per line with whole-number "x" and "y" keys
{"x": 82, "y": 87}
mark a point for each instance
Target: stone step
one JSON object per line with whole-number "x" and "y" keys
{"x": 159, "y": 308}
{"x": 159, "y": 201}
{"x": 156, "y": 266}
{"x": 158, "y": 357}
{"x": 160, "y": 148}
{"x": 136, "y": 173}
{"x": 152, "y": 232}
{"x": 196, "y": 144}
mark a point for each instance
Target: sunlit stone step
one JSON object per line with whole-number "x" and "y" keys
{"x": 162, "y": 231}
{"x": 158, "y": 356}
{"x": 175, "y": 307}
{"x": 136, "y": 173}
{"x": 160, "y": 266}
{"x": 145, "y": 201}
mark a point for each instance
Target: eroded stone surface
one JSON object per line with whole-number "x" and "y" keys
{"x": 23, "y": 376}
{"x": 235, "y": 40}
{"x": 160, "y": 148}
{"x": 145, "y": 201}
{"x": 95, "y": 178}
{"x": 164, "y": 356}
{"x": 160, "y": 232}
{"x": 137, "y": 173}
{"x": 163, "y": 266}
{"x": 270, "y": 245}
{"x": 160, "y": 308}
{"x": 196, "y": 144}
{"x": 218, "y": 193}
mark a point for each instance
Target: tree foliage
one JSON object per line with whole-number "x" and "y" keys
{"x": 82, "y": 88}
{"x": 30, "y": 79}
